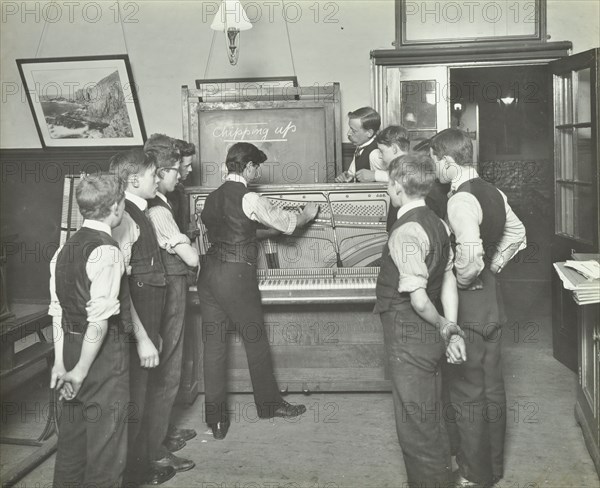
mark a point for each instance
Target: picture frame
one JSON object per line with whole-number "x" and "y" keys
{"x": 461, "y": 22}
{"x": 88, "y": 101}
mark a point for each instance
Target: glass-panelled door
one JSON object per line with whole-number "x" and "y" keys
{"x": 415, "y": 97}
{"x": 575, "y": 150}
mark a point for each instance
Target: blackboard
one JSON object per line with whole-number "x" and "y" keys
{"x": 301, "y": 138}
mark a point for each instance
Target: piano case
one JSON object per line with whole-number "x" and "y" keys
{"x": 318, "y": 291}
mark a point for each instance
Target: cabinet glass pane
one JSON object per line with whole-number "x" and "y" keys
{"x": 584, "y": 101}
{"x": 564, "y": 222}
{"x": 583, "y": 156}
{"x": 564, "y": 107}
{"x": 564, "y": 154}
{"x": 586, "y": 223}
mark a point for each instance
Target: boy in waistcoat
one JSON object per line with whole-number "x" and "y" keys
{"x": 147, "y": 288}
{"x": 418, "y": 302}
{"x": 176, "y": 254}
{"x": 91, "y": 366}
{"x": 487, "y": 235}
{"x": 366, "y": 165}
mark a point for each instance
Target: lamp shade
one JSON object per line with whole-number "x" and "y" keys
{"x": 231, "y": 15}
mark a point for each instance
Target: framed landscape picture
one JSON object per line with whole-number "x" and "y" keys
{"x": 83, "y": 101}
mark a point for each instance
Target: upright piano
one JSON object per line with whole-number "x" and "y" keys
{"x": 318, "y": 290}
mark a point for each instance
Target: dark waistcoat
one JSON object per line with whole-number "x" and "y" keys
{"x": 362, "y": 161}
{"x": 388, "y": 296}
{"x": 146, "y": 265}
{"x": 232, "y": 235}
{"x": 494, "y": 213}
{"x": 72, "y": 282}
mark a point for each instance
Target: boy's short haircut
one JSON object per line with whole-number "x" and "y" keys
{"x": 132, "y": 162}
{"x": 415, "y": 172}
{"x": 163, "y": 148}
{"x": 97, "y": 193}
{"x": 185, "y": 148}
{"x": 240, "y": 154}
{"x": 423, "y": 146}
{"x": 369, "y": 118}
{"x": 454, "y": 143}
{"x": 394, "y": 134}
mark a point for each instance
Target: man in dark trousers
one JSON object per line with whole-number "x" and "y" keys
{"x": 228, "y": 287}
{"x": 487, "y": 235}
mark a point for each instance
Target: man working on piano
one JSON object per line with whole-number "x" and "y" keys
{"x": 228, "y": 287}
{"x": 414, "y": 287}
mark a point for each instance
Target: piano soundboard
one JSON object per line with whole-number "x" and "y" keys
{"x": 334, "y": 259}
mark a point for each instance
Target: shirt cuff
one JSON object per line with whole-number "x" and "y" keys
{"x": 101, "y": 311}
{"x": 175, "y": 241}
{"x": 292, "y": 224}
{"x": 408, "y": 284}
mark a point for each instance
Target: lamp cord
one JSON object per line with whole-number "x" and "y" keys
{"x": 122, "y": 27}
{"x": 42, "y": 35}
{"x": 212, "y": 43}
{"x": 287, "y": 30}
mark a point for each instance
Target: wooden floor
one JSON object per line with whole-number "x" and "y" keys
{"x": 349, "y": 439}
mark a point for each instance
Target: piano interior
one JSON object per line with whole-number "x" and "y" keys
{"x": 337, "y": 254}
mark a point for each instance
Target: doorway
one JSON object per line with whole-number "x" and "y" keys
{"x": 507, "y": 111}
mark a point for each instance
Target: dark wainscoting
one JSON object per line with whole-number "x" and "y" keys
{"x": 31, "y": 206}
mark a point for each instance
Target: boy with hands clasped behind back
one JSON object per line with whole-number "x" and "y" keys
{"x": 488, "y": 234}
{"x": 91, "y": 368}
{"x": 415, "y": 285}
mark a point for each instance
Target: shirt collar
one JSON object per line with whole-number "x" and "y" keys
{"x": 237, "y": 178}
{"x": 467, "y": 173}
{"x": 162, "y": 197}
{"x": 410, "y": 205}
{"x": 362, "y": 146}
{"x": 140, "y": 202}
{"x": 97, "y": 225}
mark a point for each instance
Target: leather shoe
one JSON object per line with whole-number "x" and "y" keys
{"x": 174, "y": 444}
{"x": 461, "y": 482}
{"x": 284, "y": 409}
{"x": 157, "y": 476}
{"x": 177, "y": 463}
{"x": 220, "y": 429}
{"x": 184, "y": 434}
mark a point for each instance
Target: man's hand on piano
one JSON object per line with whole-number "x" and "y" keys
{"x": 308, "y": 214}
{"x": 365, "y": 175}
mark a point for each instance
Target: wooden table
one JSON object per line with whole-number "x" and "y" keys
{"x": 29, "y": 319}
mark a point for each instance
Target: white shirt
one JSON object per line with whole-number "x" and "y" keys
{"x": 465, "y": 216}
{"x": 409, "y": 246}
{"x": 260, "y": 209}
{"x": 128, "y": 232}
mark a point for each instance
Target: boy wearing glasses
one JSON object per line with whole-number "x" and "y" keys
{"x": 176, "y": 254}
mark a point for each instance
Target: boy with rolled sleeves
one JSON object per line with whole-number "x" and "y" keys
{"x": 176, "y": 254}
{"x": 418, "y": 302}
{"x": 147, "y": 286}
{"x": 487, "y": 234}
{"x": 91, "y": 366}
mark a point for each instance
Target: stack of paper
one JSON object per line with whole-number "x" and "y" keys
{"x": 578, "y": 276}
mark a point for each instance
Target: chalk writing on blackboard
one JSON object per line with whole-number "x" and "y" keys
{"x": 253, "y": 132}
